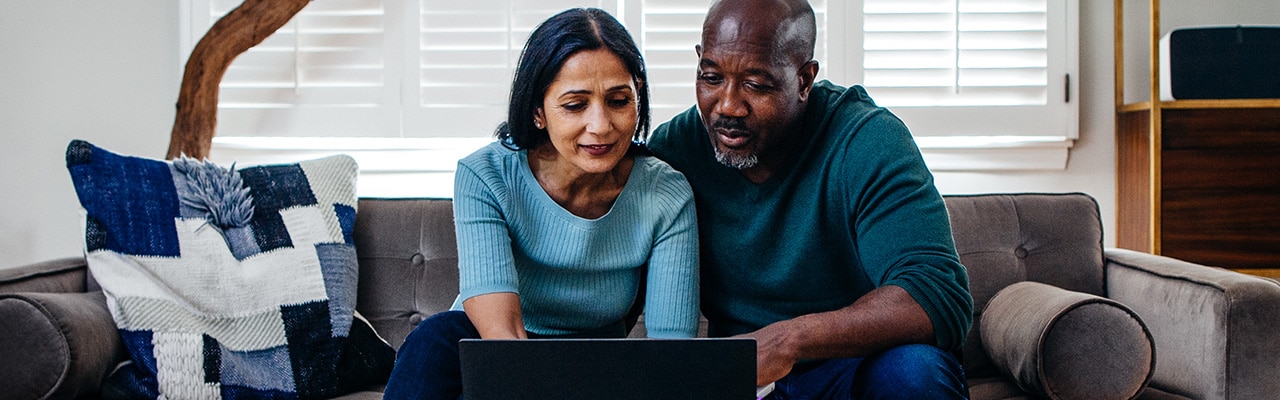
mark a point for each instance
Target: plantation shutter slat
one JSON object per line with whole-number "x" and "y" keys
{"x": 969, "y": 67}
{"x": 328, "y": 72}
{"x": 442, "y": 68}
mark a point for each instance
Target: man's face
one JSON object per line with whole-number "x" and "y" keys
{"x": 748, "y": 95}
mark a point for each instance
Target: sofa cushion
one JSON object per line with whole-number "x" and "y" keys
{"x": 55, "y": 345}
{"x": 1067, "y": 345}
{"x": 228, "y": 283}
{"x": 408, "y": 262}
{"x": 1053, "y": 238}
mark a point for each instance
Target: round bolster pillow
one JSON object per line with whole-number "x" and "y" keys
{"x": 1062, "y": 344}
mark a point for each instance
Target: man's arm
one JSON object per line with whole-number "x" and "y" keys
{"x": 883, "y": 318}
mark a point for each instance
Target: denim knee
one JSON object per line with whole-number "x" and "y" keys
{"x": 913, "y": 371}
{"x": 446, "y": 327}
{"x": 427, "y": 365}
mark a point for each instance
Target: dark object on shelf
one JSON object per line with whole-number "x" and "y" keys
{"x": 1237, "y": 62}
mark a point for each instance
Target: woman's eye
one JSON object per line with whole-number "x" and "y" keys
{"x": 574, "y": 106}
{"x": 620, "y": 102}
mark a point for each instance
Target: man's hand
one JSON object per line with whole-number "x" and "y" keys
{"x": 883, "y": 318}
{"x": 775, "y": 354}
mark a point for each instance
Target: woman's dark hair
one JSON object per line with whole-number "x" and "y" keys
{"x": 553, "y": 42}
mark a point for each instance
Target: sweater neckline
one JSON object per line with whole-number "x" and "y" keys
{"x": 547, "y": 203}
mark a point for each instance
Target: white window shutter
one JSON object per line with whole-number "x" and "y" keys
{"x": 442, "y": 68}
{"x": 467, "y": 52}
{"x": 329, "y": 71}
{"x": 971, "y": 67}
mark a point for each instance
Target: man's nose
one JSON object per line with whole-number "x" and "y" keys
{"x": 731, "y": 103}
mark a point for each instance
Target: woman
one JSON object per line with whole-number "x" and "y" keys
{"x": 564, "y": 219}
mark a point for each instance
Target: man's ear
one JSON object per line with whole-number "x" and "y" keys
{"x": 807, "y": 74}
{"x": 697, "y": 48}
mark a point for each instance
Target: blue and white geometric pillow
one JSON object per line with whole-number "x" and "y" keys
{"x": 228, "y": 283}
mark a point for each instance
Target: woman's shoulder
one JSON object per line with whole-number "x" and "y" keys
{"x": 494, "y": 152}
{"x": 658, "y": 175}
{"x": 493, "y": 158}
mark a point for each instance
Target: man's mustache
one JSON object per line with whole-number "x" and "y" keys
{"x": 734, "y": 124}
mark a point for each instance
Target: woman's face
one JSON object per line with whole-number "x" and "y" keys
{"x": 590, "y": 111}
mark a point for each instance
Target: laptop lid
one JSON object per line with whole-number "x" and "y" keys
{"x": 593, "y": 369}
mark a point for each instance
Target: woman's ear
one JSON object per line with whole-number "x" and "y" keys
{"x": 539, "y": 119}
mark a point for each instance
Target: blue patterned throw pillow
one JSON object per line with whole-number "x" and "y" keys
{"x": 228, "y": 283}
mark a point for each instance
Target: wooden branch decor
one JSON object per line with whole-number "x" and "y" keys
{"x": 242, "y": 28}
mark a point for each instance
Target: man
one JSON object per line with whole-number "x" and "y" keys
{"x": 823, "y": 236}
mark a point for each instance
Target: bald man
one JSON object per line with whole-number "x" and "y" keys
{"x": 823, "y": 236}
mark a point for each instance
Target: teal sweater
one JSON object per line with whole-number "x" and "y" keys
{"x": 858, "y": 210}
{"x": 577, "y": 276}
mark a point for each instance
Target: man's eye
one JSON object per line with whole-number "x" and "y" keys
{"x": 710, "y": 78}
{"x": 758, "y": 86}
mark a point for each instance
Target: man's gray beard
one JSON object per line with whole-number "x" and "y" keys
{"x": 735, "y": 161}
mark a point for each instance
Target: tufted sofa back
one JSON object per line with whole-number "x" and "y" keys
{"x": 1003, "y": 239}
{"x": 408, "y": 262}
{"x": 408, "y": 256}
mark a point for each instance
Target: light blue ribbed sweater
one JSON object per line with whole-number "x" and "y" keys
{"x": 576, "y": 275}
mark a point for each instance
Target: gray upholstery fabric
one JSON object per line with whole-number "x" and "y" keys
{"x": 63, "y": 275}
{"x": 1215, "y": 330}
{"x": 56, "y": 345}
{"x": 1005, "y": 239}
{"x": 408, "y": 259}
{"x": 1067, "y": 345}
{"x": 996, "y": 388}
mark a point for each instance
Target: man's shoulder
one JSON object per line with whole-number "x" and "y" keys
{"x": 849, "y": 115}
{"x": 841, "y": 102}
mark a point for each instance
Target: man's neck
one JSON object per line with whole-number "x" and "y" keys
{"x": 780, "y": 156}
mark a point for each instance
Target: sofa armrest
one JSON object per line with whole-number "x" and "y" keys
{"x": 1214, "y": 329}
{"x": 56, "y": 345}
{"x": 62, "y": 275}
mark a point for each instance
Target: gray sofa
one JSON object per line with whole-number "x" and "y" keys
{"x": 1188, "y": 331}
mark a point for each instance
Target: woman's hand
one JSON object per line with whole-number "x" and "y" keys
{"x": 496, "y": 315}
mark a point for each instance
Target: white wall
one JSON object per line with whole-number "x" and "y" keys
{"x": 102, "y": 71}
{"x": 107, "y": 72}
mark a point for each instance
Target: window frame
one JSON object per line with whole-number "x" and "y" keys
{"x": 999, "y": 150}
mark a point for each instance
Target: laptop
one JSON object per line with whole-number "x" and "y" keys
{"x": 616, "y": 369}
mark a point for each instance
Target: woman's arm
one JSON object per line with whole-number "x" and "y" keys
{"x": 486, "y": 267}
{"x": 496, "y": 315}
{"x": 671, "y": 301}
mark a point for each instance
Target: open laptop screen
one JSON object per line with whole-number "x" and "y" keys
{"x": 616, "y": 369}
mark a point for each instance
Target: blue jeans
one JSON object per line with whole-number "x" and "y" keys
{"x": 427, "y": 364}
{"x": 906, "y": 372}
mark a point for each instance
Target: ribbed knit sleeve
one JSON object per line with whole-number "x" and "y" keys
{"x": 485, "y": 261}
{"x": 671, "y": 309}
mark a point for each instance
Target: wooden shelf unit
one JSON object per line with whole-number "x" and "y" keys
{"x": 1197, "y": 180}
